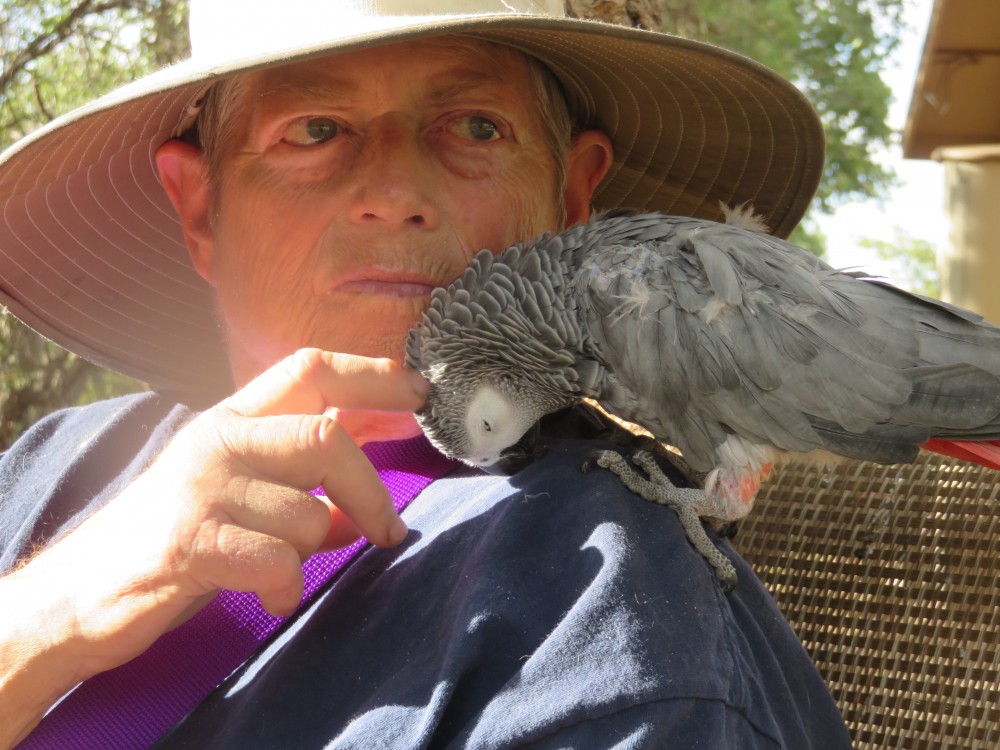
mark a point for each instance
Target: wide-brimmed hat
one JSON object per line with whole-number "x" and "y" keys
{"x": 91, "y": 252}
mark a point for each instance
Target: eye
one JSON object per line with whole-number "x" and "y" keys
{"x": 311, "y": 131}
{"x": 487, "y": 427}
{"x": 475, "y": 128}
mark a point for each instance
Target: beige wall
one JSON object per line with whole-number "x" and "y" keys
{"x": 970, "y": 268}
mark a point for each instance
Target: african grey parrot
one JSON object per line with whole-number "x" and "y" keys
{"x": 732, "y": 345}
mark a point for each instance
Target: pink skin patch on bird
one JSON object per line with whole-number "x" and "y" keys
{"x": 732, "y": 493}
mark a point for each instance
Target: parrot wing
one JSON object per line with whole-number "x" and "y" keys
{"x": 709, "y": 331}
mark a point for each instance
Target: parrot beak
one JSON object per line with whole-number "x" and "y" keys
{"x": 518, "y": 456}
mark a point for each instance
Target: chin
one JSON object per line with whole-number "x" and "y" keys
{"x": 394, "y": 349}
{"x": 389, "y": 344}
{"x": 377, "y": 328}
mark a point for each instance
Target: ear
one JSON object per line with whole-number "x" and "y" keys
{"x": 589, "y": 158}
{"x": 185, "y": 178}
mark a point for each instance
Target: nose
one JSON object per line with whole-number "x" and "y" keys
{"x": 393, "y": 185}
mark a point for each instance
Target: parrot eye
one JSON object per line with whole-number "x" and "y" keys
{"x": 487, "y": 426}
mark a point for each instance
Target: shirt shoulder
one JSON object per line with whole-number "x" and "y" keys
{"x": 73, "y": 461}
{"x": 529, "y": 611}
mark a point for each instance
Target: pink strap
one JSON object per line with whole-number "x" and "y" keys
{"x": 133, "y": 705}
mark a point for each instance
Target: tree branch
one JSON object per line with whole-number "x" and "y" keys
{"x": 41, "y": 102}
{"x": 46, "y": 42}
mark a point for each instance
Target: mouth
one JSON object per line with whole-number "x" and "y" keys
{"x": 382, "y": 282}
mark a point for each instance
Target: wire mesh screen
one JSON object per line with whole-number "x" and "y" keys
{"x": 890, "y": 575}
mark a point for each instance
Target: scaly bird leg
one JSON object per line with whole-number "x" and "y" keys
{"x": 688, "y": 503}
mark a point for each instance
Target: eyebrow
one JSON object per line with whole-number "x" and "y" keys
{"x": 334, "y": 91}
{"x": 312, "y": 90}
{"x": 464, "y": 84}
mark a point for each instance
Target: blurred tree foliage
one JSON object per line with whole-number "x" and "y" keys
{"x": 58, "y": 54}
{"x": 835, "y": 52}
{"x": 55, "y": 56}
{"x": 913, "y": 262}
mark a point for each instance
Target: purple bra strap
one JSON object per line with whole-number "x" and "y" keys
{"x": 133, "y": 705}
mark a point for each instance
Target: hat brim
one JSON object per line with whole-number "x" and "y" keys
{"x": 92, "y": 255}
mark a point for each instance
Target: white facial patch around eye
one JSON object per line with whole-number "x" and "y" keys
{"x": 492, "y": 424}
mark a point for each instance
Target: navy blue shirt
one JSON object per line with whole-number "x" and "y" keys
{"x": 553, "y": 609}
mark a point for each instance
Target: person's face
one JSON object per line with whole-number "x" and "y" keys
{"x": 357, "y": 183}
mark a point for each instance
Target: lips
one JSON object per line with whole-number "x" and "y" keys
{"x": 385, "y": 282}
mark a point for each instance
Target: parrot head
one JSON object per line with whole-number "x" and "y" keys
{"x": 500, "y": 436}
{"x": 489, "y": 423}
{"x": 495, "y": 366}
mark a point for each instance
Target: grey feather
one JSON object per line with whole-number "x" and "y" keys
{"x": 719, "y": 270}
{"x": 701, "y": 331}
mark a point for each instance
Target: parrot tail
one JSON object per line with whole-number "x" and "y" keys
{"x": 985, "y": 453}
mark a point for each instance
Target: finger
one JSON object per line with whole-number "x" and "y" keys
{"x": 284, "y": 512}
{"x": 314, "y": 450}
{"x": 342, "y": 531}
{"x": 310, "y": 523}
{"x": 312, "y": 380}
{"x": 374, "y": 426}
{"x": 238, "y": 559}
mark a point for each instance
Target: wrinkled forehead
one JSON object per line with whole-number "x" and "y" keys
{"x": 449, "y": 62}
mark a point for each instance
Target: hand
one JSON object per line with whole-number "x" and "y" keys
{"x": 226, "y": 505}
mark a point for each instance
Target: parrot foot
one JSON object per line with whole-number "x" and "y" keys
{"x": 685, "y": 501}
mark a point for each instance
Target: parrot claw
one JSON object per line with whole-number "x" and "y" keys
{"x": 592, "y": 459}
{"x": 685, "y": 501}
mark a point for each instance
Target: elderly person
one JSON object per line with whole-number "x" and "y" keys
{"x": 327, "y": 167}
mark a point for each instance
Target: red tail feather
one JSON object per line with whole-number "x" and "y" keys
{"x": 986, "y": 453}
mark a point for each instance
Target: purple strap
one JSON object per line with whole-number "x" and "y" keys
{"x": 133, "y": 705}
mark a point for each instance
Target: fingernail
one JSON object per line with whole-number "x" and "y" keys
{"x": 419, "y": 383}
{"x": 398, "y": 531}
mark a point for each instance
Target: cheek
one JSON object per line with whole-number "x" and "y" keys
{"x": 265, "y": 269}
{"x": 510, "y": 205}
{"x": 263, "y": 205}
{"x": 266, "y": 239}
{"x": 261, "y": 269}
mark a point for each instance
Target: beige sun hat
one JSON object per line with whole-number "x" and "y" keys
{"x": 92, "y": 255}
